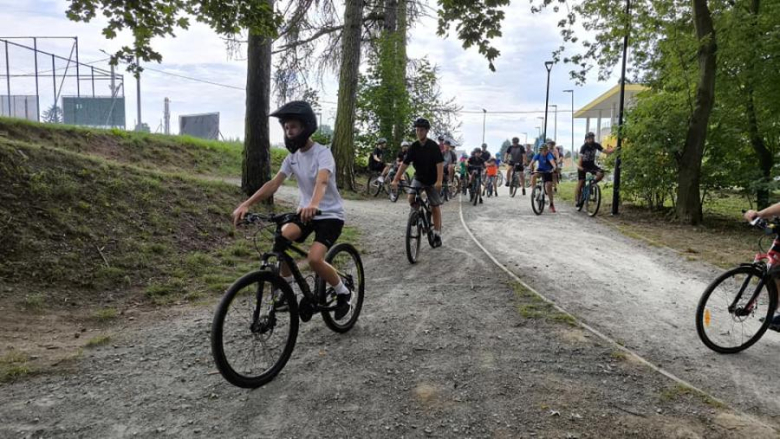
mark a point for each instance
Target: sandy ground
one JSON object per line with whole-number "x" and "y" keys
{"x": 441, "y": 350}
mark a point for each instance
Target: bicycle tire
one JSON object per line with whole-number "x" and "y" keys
{"x": 537, "y": 200}
{"x": 372, "y": 185}
{"x": 357, "y": 286}
{"x": 594, "y": 201}
{"x": 429, "y": 228}
{"x": 223, "y": 363}
{"x": 499, "y": 178}
{"x": 413, "y": 248}
{"x": 476, "y": 190}
{"x": 584, "y": 194}
{"x": 703, "y": 313}
{"x": 513, "y": 186}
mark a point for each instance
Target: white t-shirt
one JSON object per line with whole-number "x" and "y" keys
{"x": 304, "y": 166}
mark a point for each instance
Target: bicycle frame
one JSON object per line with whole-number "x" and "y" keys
{"x": 281, "y": 251}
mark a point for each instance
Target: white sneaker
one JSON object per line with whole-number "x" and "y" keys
{"x": 381, "y": 180}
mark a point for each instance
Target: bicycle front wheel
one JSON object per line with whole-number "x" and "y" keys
{"x": 346, "y": 260}
{"x": 537, "y": 200}
{"x": 393, "y": 194}
{"x": 413, "y": 237}
{"x": 593, "y": 202}
{"x": 736, "y": 309}
{"x": 252, "y": 338}
{"x": 513, "y": 187}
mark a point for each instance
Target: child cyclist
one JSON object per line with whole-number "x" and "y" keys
{"x": 491, "y": 169}
{"x": 547, "y": 166}
{"x": 314, "y": 169}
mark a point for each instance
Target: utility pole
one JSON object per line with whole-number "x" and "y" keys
{"x": 138, "y": 93}
{"x": 167, "y": 117}
{"x": 572, "y": 122}
{"x": 616, "y": 187}
{"x": 484, "y": 117}
{"x": 555, "y": 133}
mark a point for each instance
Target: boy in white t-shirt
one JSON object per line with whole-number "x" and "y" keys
{"x": 314, "y": 169}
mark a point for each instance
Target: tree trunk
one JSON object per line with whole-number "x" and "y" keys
{"x": 257, "y": 142}
{"x": 401, "y": 124}
{"x": 688, "y": 180}
{"x": 344, "y": 132}
{"x": 765, "y": 158}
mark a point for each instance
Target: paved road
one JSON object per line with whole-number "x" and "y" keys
{"x": 643, "y": 296}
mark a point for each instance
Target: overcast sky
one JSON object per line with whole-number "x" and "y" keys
{"x": 517, "y": 85}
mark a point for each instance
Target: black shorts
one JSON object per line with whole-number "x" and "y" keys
{"x": 516, "y": 166}
{"x": 326, "y": 231}
{"x": 546, "y": 176}
{"x": 376, "y": 166}
{"x": 593, "y": 169}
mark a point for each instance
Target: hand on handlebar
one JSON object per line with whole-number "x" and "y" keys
{"x": 307, "y": 213}
{"x": 239, "y": 213}
{"x": 751, "y": 215}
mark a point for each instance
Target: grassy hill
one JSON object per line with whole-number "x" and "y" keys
{"x": 147, "y": 151}
{"x": 78, "y": 222}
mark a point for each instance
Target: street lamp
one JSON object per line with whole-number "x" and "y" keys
{"x": 616, "y": 186}
{"x": 548, "y": 65}
{"x": 484, "y": 116}
{"x": 572, "y": 122}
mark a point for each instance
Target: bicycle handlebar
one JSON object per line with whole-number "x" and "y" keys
{"x": 282, "y": 218}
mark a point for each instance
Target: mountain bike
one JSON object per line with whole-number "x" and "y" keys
{"x": 373, "y": 186}
{"x": 388, "y": 187}
{"x": 255, "y": 325}
{"x": 420, "y": 223}
{"x": 475, "y": 189}
{"x": 515, "y": 183}
{"x": 590, "y": 198}
{"x": 736, "y": 309}
{"x": 449, "y": 190}
{"x": 538, "y": 194}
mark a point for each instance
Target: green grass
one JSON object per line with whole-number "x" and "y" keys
{"x": 14, "y": 365}
{"x": 105, "y": 314}
{"x": 679, "y": 391}
{"x": 149, "y": 151}
{"x": 532, "y": 307}
{"x": 97, "y": 341}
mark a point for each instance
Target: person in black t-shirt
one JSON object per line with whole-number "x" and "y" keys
{"x": 428, "y": 163}
{"x": 517, "y": 160}
{"x": 485, "y": 153}
{"x": 376, "y": 161}
{"x": 587, "y": 163}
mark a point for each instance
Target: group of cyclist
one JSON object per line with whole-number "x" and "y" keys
{"x": 321, "y": 209}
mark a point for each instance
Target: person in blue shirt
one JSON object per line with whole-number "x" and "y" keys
{"x": 547, "y": 165}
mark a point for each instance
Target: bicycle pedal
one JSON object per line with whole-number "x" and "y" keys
{"x": 305, "y": 309}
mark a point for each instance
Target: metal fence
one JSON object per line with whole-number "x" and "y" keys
{"x": 48, "y": 87}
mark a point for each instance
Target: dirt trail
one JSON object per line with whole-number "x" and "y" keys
{"x": 643, "y": 296}
{"x": 440, "y": 351}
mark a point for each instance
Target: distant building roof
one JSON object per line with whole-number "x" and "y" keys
{"x": 609, "y": 101}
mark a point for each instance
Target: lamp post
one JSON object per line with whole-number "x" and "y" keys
{"x": 547, "y": 65}
{"x": 616, "y": 187}
{"x": 572, "y": 122}
{"x": 484, "y": 116}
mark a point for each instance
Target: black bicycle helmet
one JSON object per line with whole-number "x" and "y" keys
{"x": 590, "y": 135}
{"x": 300, "y": 111}
{"x": 515, "y": 140}
{"x": 422, "y": 123}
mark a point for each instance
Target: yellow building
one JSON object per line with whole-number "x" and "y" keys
{"x": 605, "y": 109}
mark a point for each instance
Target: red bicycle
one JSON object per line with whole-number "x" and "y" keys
{"x": 737, "y": 308}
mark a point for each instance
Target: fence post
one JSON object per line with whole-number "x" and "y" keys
{"x": 8, "y": 79}
{"x": 37, "y": 93}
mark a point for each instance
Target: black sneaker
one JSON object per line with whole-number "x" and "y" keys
{"x": 523, "y": 191}
{"x": 436, "y": 241}
{"x": 342, "y": 305}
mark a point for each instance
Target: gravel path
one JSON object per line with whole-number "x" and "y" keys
{"x": 441, "y": 350}
{"x": 644, "y": 296}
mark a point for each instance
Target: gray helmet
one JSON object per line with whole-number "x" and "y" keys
{"x": 381, "y": 140}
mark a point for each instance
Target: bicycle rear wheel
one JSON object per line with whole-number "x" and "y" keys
{"x": 413, "y": 237}
{"x": 499, "y": 178}
{"x": 346, "y": 260}
{"x": 251, "y": 340}
{"x": 537, "y": 200}
{"x": 736, "y": 309}
{"x": 373, "y": 187}
{"x": 593, "y": 202}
